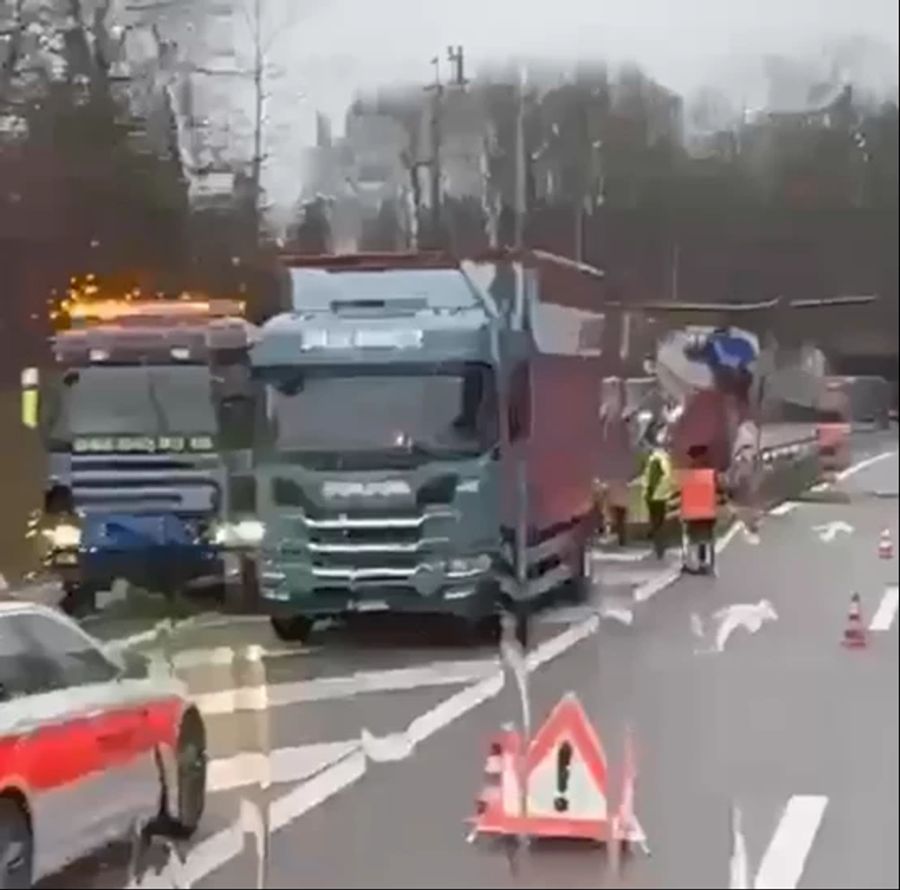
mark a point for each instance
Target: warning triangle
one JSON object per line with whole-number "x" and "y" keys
{"x": 566, "y": 770}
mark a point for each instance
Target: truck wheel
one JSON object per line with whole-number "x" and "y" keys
{"x": 482, "y": 631}
{"x": 293, "y": 629}
{"x": 578, "y": 589}
{"x": 78, "y": 600}
{"x": 16, "y": 845}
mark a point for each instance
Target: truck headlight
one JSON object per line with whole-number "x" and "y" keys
{"x": 466, "y": 566}
{"x": 247, "y": 532}
{"x": 64, "y": 536}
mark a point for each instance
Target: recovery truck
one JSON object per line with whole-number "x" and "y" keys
{"x": 734, "y": 363}
{"x": 138, "y": 416}
{"x": 427, "y": 435}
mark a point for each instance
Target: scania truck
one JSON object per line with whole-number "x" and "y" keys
{"x": 427, "y": 435}
{"x": 138, "y": 420}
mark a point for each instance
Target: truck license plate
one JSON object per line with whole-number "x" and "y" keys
{"x": 371, "y": 606}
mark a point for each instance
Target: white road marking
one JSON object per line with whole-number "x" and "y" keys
{"x": 620, "y": 555}
{"x": 317, "y": 790}
{"x": 830, "y": 530}
{"x": 750, "y": 616}
{"x": 281, "y": 765}
{"x": 783, "y": 509}
{"x": 887, "y": 609}
{"x": 221, "y": 656}
{"x": 617, "y": 612}
{"x": 783, "y": 862}
{"x": 738, "y": 872}
{"x": 649, "y": 589}
{"x": 724, "y": 540}
{"x": 863, "y": 464}
{"x": 251, "y": 698}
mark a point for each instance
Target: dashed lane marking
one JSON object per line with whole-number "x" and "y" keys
{"x": 783, "y": 862}
{"x": 887, "y": 609}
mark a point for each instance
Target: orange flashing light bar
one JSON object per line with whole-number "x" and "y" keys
{"x": 172, "y": 311}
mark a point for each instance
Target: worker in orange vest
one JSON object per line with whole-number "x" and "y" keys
{"x": 697, "y": 487}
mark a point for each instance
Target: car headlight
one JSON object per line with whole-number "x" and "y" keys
{"x": 64, "y": 535}
{"x": 465, "y": 566}
{"x": 244, "y": 533}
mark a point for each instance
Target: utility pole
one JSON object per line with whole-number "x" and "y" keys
{"x": 258, "y": 114}
{"x": 456, "y": 58}
{"x": 437, "y": 90}
{"x": 521, "y": 198}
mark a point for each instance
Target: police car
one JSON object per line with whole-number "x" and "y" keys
{"x": 91, "y": 744}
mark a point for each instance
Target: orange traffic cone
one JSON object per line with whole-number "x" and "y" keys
{"x": 886, "y": 545}
{"x": 855, "y": 633}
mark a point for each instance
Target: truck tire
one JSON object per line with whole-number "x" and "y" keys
{"x": 578, "y": 589}
{"x": 16, "y": 845}
{"x": 481, "y": 631}
{"x": 292, "y": 629}
{"x": 78, "y": 600}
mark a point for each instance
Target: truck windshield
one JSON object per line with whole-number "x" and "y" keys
{"x": 122, "y": 401}
{"x": 443, "y": 412}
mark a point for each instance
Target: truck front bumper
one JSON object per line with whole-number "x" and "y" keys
{"x": 152, "y": 568}
{"x": 472, "y": 599}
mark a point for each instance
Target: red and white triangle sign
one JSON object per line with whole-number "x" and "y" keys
{"x": 567, "y": 776}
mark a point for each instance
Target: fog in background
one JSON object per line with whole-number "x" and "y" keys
{"x": 330, "y": 50}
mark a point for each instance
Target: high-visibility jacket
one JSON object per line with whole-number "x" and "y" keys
{"x": 656, "y": 481}
{"x": 698, "y": 494}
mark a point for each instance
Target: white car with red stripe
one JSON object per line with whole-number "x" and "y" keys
{"x": 92, "y": 744}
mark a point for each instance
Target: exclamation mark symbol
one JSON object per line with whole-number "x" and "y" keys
{"x": 563, "y": 765}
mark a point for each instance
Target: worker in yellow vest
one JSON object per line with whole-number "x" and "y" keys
{"x": 698, "y": 508}
{"x": 657, "y": 490}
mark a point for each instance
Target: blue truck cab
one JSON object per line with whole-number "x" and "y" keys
{"x": 413, "y": 411}
{"x": 138, "y": 421}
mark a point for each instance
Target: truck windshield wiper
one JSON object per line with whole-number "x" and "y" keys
{"x": 158, "y": 409}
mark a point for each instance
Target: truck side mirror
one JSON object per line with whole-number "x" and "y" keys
{"x": 30, "y": 398}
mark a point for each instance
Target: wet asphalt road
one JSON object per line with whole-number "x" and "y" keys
{"x": 779, "y": 714}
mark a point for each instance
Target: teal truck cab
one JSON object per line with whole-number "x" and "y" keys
{"x": 423, "y": 421}
{"x": 138, "y": 421}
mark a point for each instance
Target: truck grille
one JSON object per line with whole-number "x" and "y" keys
{"x": 394, "y": 543}
{"x": 133, "y": 483}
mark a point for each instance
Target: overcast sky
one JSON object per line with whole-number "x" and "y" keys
{"x": 332, "y": 47}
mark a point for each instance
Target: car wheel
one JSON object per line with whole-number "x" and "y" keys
{"x": 295, "y": 629}
{"x": 182, "y": 814}
{"x": 16, "y": 845}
